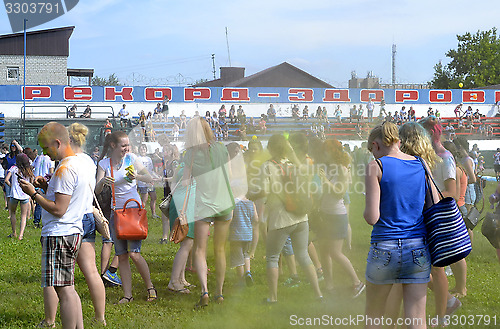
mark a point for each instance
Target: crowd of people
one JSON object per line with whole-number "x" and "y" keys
{"x": 249, "y": 195}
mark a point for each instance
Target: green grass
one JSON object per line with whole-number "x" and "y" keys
{"x": 21, "y": 301}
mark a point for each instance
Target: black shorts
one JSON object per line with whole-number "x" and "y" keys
{"x": 497, "y": 167}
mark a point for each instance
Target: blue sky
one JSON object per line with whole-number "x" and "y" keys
{"x": 155, "y": 42}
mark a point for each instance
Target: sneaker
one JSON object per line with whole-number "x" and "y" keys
{"x": 248, "y": 279}
{"x": 292, "y": 282}
{"x": 112, "y": 278}
{"x": 456, "y": 305}
{"x": 358, "y": 289}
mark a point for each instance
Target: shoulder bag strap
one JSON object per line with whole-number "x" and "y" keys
{"x": 430, "y": 178}
{"x": 188, "y": 187}
{"x": 225, "y": 175}
{"x": 95, "y": 199}
{"x": 379, "y": 162}
{"x": 112, "y": 185}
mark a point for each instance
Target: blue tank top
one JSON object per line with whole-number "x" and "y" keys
{"x": 402, "y": 197}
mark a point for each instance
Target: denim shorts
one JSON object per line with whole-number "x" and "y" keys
{"x": 470, "y": 194}
{"x": 123, "y": 246}
{"x": 145, "y": 189}
{"x": 15, "y": 201}
{"x": 88, "y": 228}
{"x": 398, "y": 261}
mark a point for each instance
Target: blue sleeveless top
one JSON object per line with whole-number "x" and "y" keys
{"x": 402, "y": 197}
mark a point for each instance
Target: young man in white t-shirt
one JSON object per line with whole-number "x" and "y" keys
{"x": 63, "y": 206}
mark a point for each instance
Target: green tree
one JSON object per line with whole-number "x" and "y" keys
{"x": 475, "y": 62}
{"x": 112, "y": 80}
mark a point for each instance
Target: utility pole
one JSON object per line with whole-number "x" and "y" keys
{"x": 213, "y": 65}
{"x": 393, "y": 64}
{"x": 228, "y": 52}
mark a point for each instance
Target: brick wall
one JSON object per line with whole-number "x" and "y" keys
{"x": 40, "y": 70}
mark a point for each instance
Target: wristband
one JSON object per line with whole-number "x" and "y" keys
{"x": 34, "y": 195}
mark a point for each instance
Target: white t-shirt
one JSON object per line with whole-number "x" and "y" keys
{"x": 148, "y": 164}
{"x": 90, "y": 172}
{"x": 68, "y": 180}
{"x": 2, "y": 171}
{"x": 445, "y": 170}
{"x": 15, "y": 191}
{"x": 123, "y": 114}
{"x": 123, "y": 189}
{"x": 42, "y": 165}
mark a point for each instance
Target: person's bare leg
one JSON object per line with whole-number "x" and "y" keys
{"x": 142, "y": 267}
{"x": 25, "y": 208}
{"x": 414, "y": 299}
{"x": 440, "y": 288}
{"x": 152, "y": 203}
{"x": 221, "y": 229}
{"x": 498, "y": 255}
{"x": 201, "y": 229}
{"x": 105, "y": 256}
{"x": 71, "y": 310}
{"x": 314, "y": 256}
{"x": 342, "y": 260}
{"x": 393, "y": 304}
{"x": 326, "y": 260}
{"x": 50, "y": 302}
{"x": 272, "y": 283}
{"x": 179, "y": 265}
{"x": 86, "y": 262}
{"x": 376, "y": 297}
{"x": 460, "y": 272}
{"x": 12, "y": 215}
{"x": 126, "y": 275}
{"x": 165, "y": 225}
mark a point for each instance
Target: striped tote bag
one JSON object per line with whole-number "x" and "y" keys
{"x": 447, "y": 235}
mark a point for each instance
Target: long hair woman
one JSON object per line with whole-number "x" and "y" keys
{"x": 117, "y": 147}
{"x": 207, "y": 161}
{"x": 23, "y": 170}
{"x": 445, "y": 177}
{"x": 398, "y": 253}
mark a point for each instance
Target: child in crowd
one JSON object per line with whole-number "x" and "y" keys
{"x": 240, "y": 237}
{"x": 22, "y": 169}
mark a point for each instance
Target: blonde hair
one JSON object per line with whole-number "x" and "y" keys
{"x": 415, "y": 140}
{"x": 78, "y": 133}
{"x": 387, "y": 132}
{"x": 198, "y": 133}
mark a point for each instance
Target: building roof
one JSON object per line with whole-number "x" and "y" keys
{"x": 282, "y": 75}
{"x": 51, "y": 42}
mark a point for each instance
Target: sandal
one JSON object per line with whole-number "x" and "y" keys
{"x": 203, "y": 302}
{"x": 125, "y": 300}
{"x": 152, "y": 294}
{"x": 219, "y": 299}
{"x": 45, "y": 324}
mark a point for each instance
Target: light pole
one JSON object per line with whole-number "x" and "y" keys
{"x": 23, "y": 111}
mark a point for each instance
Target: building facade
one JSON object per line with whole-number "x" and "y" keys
{"x": 47, "y": 54}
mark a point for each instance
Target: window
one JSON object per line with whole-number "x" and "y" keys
{"x": 12, "y": 73}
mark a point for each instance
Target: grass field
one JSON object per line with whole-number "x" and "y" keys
{"x": 21, "y": 302}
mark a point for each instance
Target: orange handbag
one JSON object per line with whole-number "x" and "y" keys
{"x": 130, "y": 223}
